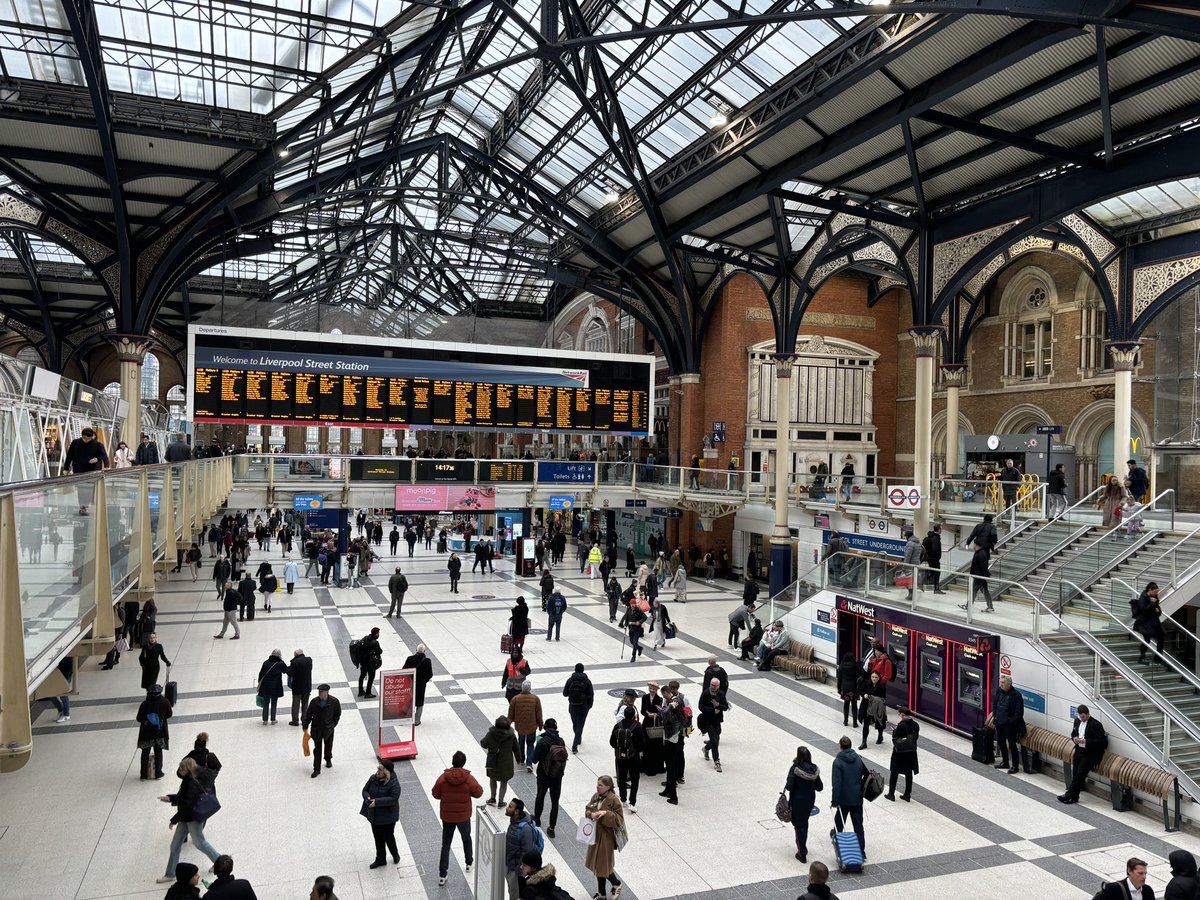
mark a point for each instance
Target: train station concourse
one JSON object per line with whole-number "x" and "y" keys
{"x": 550, "y": 449}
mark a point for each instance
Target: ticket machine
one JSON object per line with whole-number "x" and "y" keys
{"x": 946, "y": 673}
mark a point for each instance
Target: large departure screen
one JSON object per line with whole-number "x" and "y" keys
{"x": 300, "y": 378}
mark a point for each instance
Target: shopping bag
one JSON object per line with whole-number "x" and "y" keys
{"x": 260, "y": 701}
{"x": 585, "y": 833}
{"x": 622, "y": 836}
{"x": 904, "y": 581}
{"x": 307, "y": 744}
{"x": 783, "y": 810}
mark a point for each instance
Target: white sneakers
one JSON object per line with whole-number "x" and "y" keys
{"x": 632, "y": 809}
{"x": 468, "y": 869}
{"x": 63, "y": 717}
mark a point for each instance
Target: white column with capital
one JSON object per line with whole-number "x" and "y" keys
{"x": 954, "y": 375}
{"x": 781, "y": 537}
{"x": 131, "y": 350}
{"x": 1124, "y": 356}
{"x": 925, "y": 343}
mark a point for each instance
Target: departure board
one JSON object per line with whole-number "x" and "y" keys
{"x": 296, "y": 378}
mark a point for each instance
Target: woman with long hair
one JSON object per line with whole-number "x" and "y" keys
{"x": 605, "y": 810}
{"x": 803, "y": 783}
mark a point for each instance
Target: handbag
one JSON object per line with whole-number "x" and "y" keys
{"x": 206, "y": 806}
{"x": 260, "y": 701}
{"x": 655, "y": 732}
{"x": 872, "y": 785}
{"x": 585, "y": 831}
{"x": 904, "y": 581}
{"x": 783, "y": 809}
{"x": 621, "y": 836}
{"x": 306, "y": 744}
{"x": 122, "y": 644}
{"x": 906, "y": 743}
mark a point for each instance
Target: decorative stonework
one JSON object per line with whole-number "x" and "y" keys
{"x": 15, "y": 209}
{"x": 783, "y": 365}
{"x": 131, "y": 348}
{"x": 722, "y": 274}
{"x": 897, "y": 233}
{"x": 954, "y": 375}
{"x": 825, "y": 271}
{"x": 89, "y": 249}
{"x": 1151, "y": 282}
{"x": 1092, "y": 237}
{"x": 759, "y": 314}
{"x": 819, "y": 242}
{"x": 925, "y": 341}
{"x": 1028, "y": 243}
{"x": 950, "y": 256}
{"x": 840, "y": 320}
{"x": 975, "y": 285}
{"x": 150, "y": 257}
{"x": 1124, "y": 355}
{"x": 877, "y": 252}
{"x": 1075, "y": 251}
{"x": 112, "y": 277}
{"x": 1113, "y": 273}
{"x": 845, "y": 220}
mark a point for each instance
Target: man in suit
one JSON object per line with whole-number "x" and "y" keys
{"x": 1090, "y": 743}
{"x": 1132, "y": 888}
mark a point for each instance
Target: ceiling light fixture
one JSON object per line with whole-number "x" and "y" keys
{"x": 611, "y": 195}
{"x": 718, "y": 120}
{"x": 283, "y": 153}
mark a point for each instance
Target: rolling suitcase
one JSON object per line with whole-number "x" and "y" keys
{"x": 505, "y": 643}
{"x": 172, "y": 691}
{"x": 983, "y": 748}
{"x": 848, "y": 852}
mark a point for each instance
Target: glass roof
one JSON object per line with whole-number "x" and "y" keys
{"x": 1173, "y": 199}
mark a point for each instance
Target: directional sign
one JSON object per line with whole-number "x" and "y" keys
{"x": 904, "y": 497}
{"x": 1049, "y": 429}
{"x": 637, "y": 502}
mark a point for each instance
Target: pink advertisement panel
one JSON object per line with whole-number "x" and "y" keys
{"x": 445, "y": 498}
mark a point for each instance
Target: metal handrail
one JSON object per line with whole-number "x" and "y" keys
{"x": 1136, "y": 593}
{"x": 1175, "y": 546}
{"x": 1104, "y": 537}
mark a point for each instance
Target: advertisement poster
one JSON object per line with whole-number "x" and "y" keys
{"x": 396, "y": 710}
{"x": 445, "y": 498}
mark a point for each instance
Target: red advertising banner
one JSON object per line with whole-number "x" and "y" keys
{"x": 445, "y": 498}
{"x": 396, "y": 707}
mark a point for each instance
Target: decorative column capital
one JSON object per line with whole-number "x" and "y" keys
{"x": 954, "y": 375}
{"x": 689, "y": 378}
{"x": 926, "y": 340}
{"x": 783, "y": 364}
{"x": 131, "y": 348}
{"x": 1124, "y": 354}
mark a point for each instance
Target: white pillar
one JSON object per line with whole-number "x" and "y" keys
{"x": 781, "y": 537}
{"x": 954, "y": 376}
{"x": 131, "y": 350}
{"x": 925, "y": 343}
{"x": 1123, "y": 355}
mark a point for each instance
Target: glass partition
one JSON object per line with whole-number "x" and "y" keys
{"x": 122, "y": 493}
{"x": 158, "y": 483}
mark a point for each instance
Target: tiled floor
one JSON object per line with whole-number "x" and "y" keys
{"x": 77, "y": 822}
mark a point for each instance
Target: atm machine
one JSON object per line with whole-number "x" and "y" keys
{"x": 946, "y": 673}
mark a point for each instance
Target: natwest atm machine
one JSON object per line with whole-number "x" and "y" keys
{"x": 946, "y": 673}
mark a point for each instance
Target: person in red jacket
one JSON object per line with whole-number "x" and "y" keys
{"x": 878, "y": 661}
{"x": 455, "y": 788}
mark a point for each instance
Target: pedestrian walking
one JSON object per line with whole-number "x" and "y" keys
{"x": 194, "y": 557}
{"x": 634, "y": 620}
{"x": 423, "y": 669}
{"x": 525, "y": 713}
{"x": 932, "y": 545}
{"x": 546, "y": 583}
{"x": 397, "y": 586}
{"x": 454, "y": 790}
{"x": 320, "y": 722}
{"x": 370, "y": 661}
{"x": 193, "y": 781}
{"x": 204, "y": 757}
{"x": 628, "y": 741}
{"x": 614, "y": 595}
{"x": 802, "y": 786}
{"x": 267, "y": 582}
{"x": 904, "y": 754}
{"x": 381, "y": 807}
{"x": 556, "y": 607}
{"x": 149, "y": 658}
{"x": 154, "y": 735}
{"x": 1147, "y": 621}
{"x": 1184, "y": 884}
{"x": 270, "y": 684}
{"x": 291, "y": 574}
{"x": 1056, "y": 493}
{"x": 222, "y": 572}
{"x": 580, "y": 696}
{"x": 660, "y": 624}
{"x": 503, "y": 752}
{"x": 512, "y": 676}
{"x": 410, "y": 538}
{"x": 604, "y": 809}
{"x": 454, "y": 566}
{"x": 981, "y": 573}
{"x": 225, "y": 886}
{"x": 299, "y": 676}
{"x": 848, "y": 774}
{"x": 394, "y": 540}
{"x": 680, "y": 580}
{"x": 674, "y": 722}
{"x": 713, "y": 707}
{"x": 550, "y": 763}
{"x": 518, "y": 626}
{"x": 230, "y": 604}
{"x": 246, "y": 597}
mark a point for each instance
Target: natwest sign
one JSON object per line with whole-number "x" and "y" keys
{"x": 857, "y": 607}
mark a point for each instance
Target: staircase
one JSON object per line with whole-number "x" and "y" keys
{"x": 1151, "y": 562}
{"x": 1141, "y": 708}
{"x": 1082, "y": 563}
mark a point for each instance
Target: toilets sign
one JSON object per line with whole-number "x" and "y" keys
{"x": 904, "y": 497}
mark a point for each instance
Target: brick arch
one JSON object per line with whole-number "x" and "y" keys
{"x": 715, "y": 295}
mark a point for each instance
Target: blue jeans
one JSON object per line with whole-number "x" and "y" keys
{"x": 270, "y": 704}
{"x": 62, "y": 704}
{"x": 554, "y": 627}
{"x": 527, "y": 742}
{"x": 448, "y": 829}
{"x": 199, "y": 841}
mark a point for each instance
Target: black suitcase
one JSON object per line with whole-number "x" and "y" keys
{"x": 983, "y": 748}
{"x": 172, "y": 693}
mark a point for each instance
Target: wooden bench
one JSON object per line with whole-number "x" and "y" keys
{"x": 799, "y": 661}
{"x": 1121, "y": 771}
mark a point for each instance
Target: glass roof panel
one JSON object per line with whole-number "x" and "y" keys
{"x": 1176, "y": 198}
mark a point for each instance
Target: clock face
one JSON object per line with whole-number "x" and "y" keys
{"x": 993, "y": 442}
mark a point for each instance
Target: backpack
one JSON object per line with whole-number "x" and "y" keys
{"x": 556, "y": 761}
{"x": 356, "y": 652}
{"x": 577, "y": 692}
{"x": 625, "y": 743}
{"x": 539, "y": 841}
{"x": 323, "y": 558}
{"x": 154, "y": 720}
{"x": 558, "y": 604}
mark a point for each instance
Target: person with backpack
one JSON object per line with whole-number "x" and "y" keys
{"x": 580, "y": 696}
{"x": 325, "y": 562}
{"x": 153, "y": 732}
{"x": 550, "y": 759}
{"x": 525, "y": 713}
{"x": 454, "y": 790}
{"x": 604, "y": 809}
{"x": 193, "y": 782}
{"x": 628, "y": 740}
{"x": 370, "y": 660}
{"x": 514, "y": 673}
{"x": 522, "y": 837}
{"x": 397, "y": 586}
{"x": 613, "y": 590}
{"x": 556, "y": 606}
{"x": 503, "y": 752}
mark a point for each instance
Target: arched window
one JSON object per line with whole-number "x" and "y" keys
{"x": 30, "y": 355}
{"x": 176, "y": 406}
{"x": 113, "y": 389}
{"x": 150, "y": 376}
{"x": 596, "y": 337}
{"x": 1027, "y": 308}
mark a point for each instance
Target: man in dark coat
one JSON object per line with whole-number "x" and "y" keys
{"x": 933, "y": 557}
{"x": 818, "y": 883}
{"x": 1090, "y": 743}
{"x": 980, "y": 569}
{"x": 370, "y": 660}
{"x": 226, "y": 887}
{"x": 1010, "y": 480}
{"x": 246, "y": 589}
{"x": 147, "y": 452}
{"x": 424, "y": 674}
{"x": 1132, "y": 887}
{"x": 580, "y": 695}
{"x": 320, "y": 721}
{"x": 1008, "y": 715}
{"x": 1147, "y": 620}
{"x": 178, "y": 450}
{"x": 1184, "y": 885}
{"x": 984, "y": 534}
{"x": 299, "y": 672}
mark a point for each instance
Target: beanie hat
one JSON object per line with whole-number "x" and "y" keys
{"x": 185, "y": 872}
{"x": 550, "y": 725}
{"x": 533, "y": 859}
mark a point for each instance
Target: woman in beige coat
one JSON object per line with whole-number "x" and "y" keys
{"x": 605, "y": 810}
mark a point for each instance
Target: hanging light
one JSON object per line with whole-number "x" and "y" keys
{"x": 718, "y": 120}
{"x": 611, "y": 195}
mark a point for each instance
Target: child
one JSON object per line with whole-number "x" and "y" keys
{"x": 1131, "y": 515}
